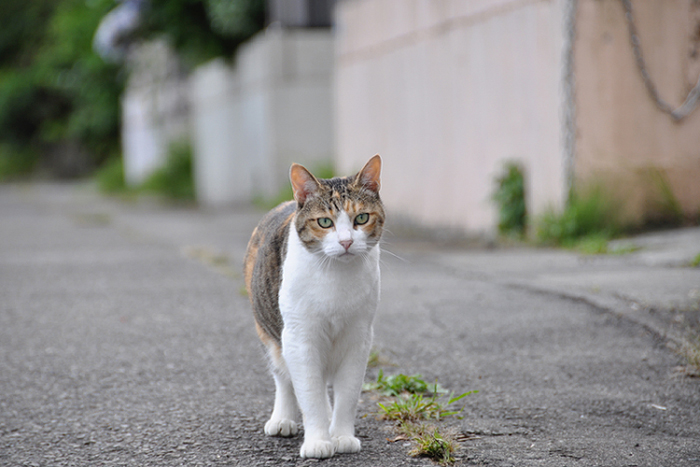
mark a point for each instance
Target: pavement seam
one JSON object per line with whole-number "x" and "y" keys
{"x": 615, "y": 306}
{"x": 612, "y": 305}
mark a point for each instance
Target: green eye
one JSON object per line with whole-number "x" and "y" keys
{"x": 325, "y": 222}
{"x": 361, "y": 218}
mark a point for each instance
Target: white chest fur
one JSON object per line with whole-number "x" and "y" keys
{"x": 323, "y": 293}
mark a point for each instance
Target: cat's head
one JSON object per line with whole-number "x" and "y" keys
{"x": 342, "y": 217}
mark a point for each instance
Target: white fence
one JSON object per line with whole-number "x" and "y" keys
{"x": 247, "y": 122}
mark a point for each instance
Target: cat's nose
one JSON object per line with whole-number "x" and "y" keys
{"x": 346, "y": 244}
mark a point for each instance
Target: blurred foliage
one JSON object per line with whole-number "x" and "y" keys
{"x": 110, "y": 177}
{"x": 54, "y": 90}
{"x": 59, "y": 101}
{"x": 175, "y": 179}
{"x": 589, "y": 220}
{"x": 510, "y": 199}
{"x": 200, "y": 30}
{"x": 696, "y": 261}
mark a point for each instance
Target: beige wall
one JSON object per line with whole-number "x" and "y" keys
{"x": 623, "y": 139}
{"x": 446, "y": 91}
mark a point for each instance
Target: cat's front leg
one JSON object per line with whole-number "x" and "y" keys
{"x": 304, "y": 362}
{"x": 347, "y": 385}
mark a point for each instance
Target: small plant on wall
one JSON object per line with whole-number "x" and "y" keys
{"x": 510, "y": 199}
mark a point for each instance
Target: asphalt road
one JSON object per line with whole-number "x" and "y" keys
{"x": 125, "y": 340}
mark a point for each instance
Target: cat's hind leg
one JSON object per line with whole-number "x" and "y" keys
{"x": 283, "y": 421}
{"x": 285, "y": 414}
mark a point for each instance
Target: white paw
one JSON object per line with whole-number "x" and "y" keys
{"x": 346, "y": 444}
{"x": 317, "y": 448}
{"x": 283, "y": 427}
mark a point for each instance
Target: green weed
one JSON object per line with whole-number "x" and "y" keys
{"x": 590, "y": 218}
{"x": 696, "y": 261}
{"x": 430, "y": 442}
{"x": 510, "y": 199}
{"x": 595, "y": 244}
{"x": 417, "y": 407}
{"x": 413, "y": 401}
{"x": 397, "y": 384}
{"x": 599, "y": 244}
{"x": 691, "y": 352}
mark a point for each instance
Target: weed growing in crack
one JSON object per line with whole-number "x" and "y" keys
{"x": 417, "y": 407}
{"x": 430, "y": 442}
{"x": 696, "y": 261}
{"x": 395, "y": 385}
{"x": 691, "y": 352}
{"x": 412, "y": 400}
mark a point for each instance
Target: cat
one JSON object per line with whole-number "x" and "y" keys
{"x": 312, "y": 275}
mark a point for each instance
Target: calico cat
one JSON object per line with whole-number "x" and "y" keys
{"x": 312, "y": 275}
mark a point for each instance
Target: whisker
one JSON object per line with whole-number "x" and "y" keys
{"x": 384, "y": 250}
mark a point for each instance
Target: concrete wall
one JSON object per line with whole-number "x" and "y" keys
{"x": 252, "y": 121}
{"x": 219, "y": 139}
{"x": 446, "y": 91}
{"x": 623, "y": 139}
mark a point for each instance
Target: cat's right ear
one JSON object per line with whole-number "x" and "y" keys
{"x": 304, "y": 184}
{"x": 368, "y": 177}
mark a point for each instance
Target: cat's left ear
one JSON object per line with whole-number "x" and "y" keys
{"x": 368, "y": 177}
{"x": 304, "y": 184}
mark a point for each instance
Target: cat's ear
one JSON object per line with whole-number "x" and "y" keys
{"x": 368, "y": 177}
{"x": 304, "y": 184}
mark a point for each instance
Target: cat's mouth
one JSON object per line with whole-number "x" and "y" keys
{"x": 345, "y": 256}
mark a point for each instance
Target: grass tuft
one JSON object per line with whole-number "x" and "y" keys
{"x": 586, "y": 216}
{"x": 412, "y": 402}
{"x": 691, "y": 353}
{"x": 416, "y": 407}
{"x": 430, "y": 442}
{"x": 398, "y": 384}
{"x": 696, "y": 261}
{"x": 589, "y": 221}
